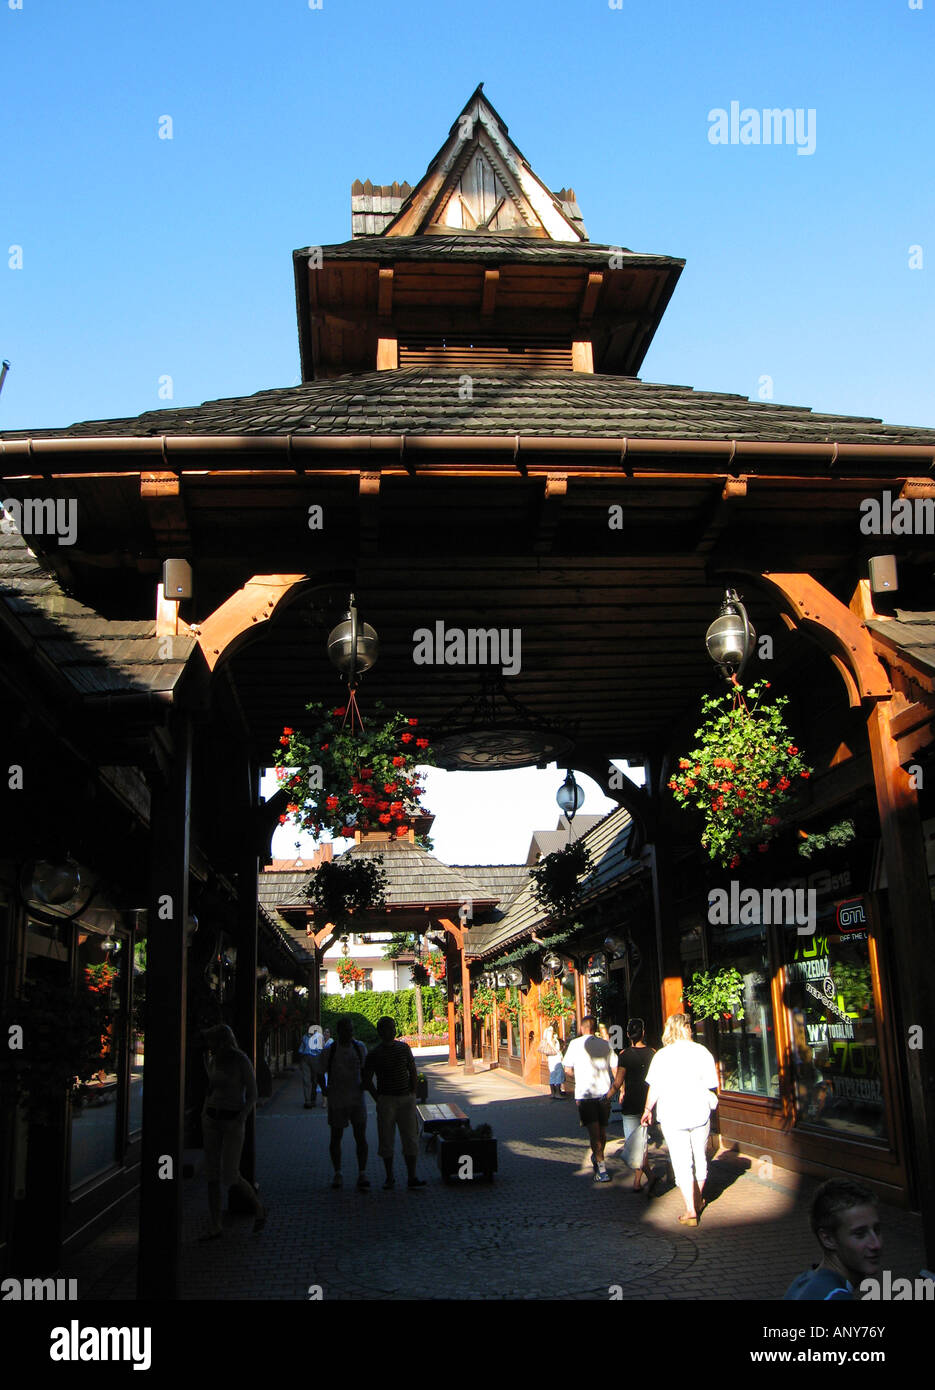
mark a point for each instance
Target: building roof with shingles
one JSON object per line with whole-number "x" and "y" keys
{"x": 295, "y": 941}
{"x": 910, "y": 633}
{"x": 508, "y": 402}
{"x": 95, "y": 656}
{"x": 486, "y": 248}
{"x": 607, "y": 842}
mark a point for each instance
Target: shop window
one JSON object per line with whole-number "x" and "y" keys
{"x": 747, "y": 1046}
{"x": 834, "y": 1032}
{"x": 137, "y": 1037}
{"x": 95, "y": 1106}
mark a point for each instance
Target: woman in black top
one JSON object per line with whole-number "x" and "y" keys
{"x": 632, "y": 1066}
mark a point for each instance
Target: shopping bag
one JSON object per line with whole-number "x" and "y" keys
{"x": 634, "y": 1150}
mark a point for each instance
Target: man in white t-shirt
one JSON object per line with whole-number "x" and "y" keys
{"x": 592, "y": 1062}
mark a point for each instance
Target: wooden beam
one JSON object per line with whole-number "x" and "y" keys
{"x": 592, "y": 289}
{"x": 910, "y": 914}
{"x": 165, "y": 507}
{"x": 582, "y": 356}
{"x": 160, "y": 1226}
{"x": 387, "y": 354}
{"x": 385, "y": 292}
{"x": 251, "y": 606}
{"x": 491, "y": 282}
{"x": 834, "y": 626}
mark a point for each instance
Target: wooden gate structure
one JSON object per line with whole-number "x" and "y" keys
{"x": 470, "y": 450}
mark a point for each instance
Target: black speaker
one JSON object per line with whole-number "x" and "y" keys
{"x": 883, "y": 576}
{"x": 177, "y": 579}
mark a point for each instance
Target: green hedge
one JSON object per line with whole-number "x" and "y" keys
{"x": 366, "y": 1006}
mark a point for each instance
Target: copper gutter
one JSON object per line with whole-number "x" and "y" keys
{"x": 158, "y": 447}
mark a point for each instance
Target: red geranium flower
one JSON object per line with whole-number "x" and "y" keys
{"x": 413, "y": 722}
{"x": 399, "y": 761}
{"x": 806, "y": 773}
{"x": 385, "y": 818}
{"x": 365, "y": 773}
{"x": 331, "y": 802}
{"x": 401, "y": 830}
{"x": 284, "y": 740}
{"x": 389, "y": 786}
{"x": 405, "y": 738}
{"x": 683, "y": 762}
{"x": 337, "y": 713}
{"x": 283, "y": 819}
{"x": 422, "y": 743}
{"x": 288, "y": 731}
{"x": 792, "y": 748}
{"x": 324, "y": 747}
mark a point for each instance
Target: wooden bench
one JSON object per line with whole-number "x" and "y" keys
{"x": 441, "y": 1119}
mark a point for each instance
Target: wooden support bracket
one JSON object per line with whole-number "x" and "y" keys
{"x": 244, "y": 611}
{"x": 836, "y": 628}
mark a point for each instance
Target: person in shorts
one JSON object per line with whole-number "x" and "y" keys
{"x": 630, "y": 1080}
{"x": 846, "y": 1222}
{"x": 342, "y": 1065}
{"x": 592, "y": 1062}
{"x": 390, "y": 1077}
{"x": 231, "y": 1096}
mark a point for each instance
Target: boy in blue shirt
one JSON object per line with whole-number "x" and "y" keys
{"x": 846, "y": 1220}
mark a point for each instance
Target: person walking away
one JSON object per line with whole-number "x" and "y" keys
{"x": 592, "y": 1062}
{"x": 390, "y": 1077}
{"x": 310, "y": 1050}
{"x": 630, "y": 1082}
{"x": 846, "y": 1222}
{"x": 231, "y": 1096}
{"x": 342, "y": 1065}
{"x": 682, "y": 1080}
{"x": 550, "y": 1049}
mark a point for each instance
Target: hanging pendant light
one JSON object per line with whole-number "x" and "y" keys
{"x": 731, "y": 637}
{"x": 569, "y": 796}
{"x": 353, "y": 646}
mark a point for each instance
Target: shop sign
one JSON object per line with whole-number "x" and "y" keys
{"x": 852, "y": 915}
{"x": 597, "y": 966}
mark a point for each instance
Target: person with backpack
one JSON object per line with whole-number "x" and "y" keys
{"x": 342, "y": 1067}
{"x": 310, "y": 1050}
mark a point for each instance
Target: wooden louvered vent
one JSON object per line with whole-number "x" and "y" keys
{"x": 462, "y": 350}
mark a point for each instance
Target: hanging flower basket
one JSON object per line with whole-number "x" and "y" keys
{"x": 742, "y": 774}
{"x": 485, "y": 1001}
{"x": 347, "y": 886}
{"x": 420, "y": 975}
{"x": 556, "y": 878}
{"x": 349, "y": 973}
{"x": 343, "y": 777}
{"x": 554, "y": 1004}
{"x": 716, "y": 994}
{"x": 434, "y": 962}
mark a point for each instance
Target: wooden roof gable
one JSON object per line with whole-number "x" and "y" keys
{"x": 480, "y": 182}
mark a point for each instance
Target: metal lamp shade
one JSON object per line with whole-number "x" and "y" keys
{"x": 552, "y": 963}
{"x": 569, "y": 797}
{"x": 514, "y": 976}
{"x": 340, "y": 646}
{"x": 729, "y": 640}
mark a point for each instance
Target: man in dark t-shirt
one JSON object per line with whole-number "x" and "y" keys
{"x": 391, "y": 1066}
{"x": 846, "y": 1220}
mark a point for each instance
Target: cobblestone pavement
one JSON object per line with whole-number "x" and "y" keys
{"x": 542, "y": 1229}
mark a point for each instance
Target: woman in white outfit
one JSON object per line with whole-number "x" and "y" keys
{"x": 682, "y": 1080}
{"x": 551, "y": 1050}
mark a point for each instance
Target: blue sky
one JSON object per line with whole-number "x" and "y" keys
{"x": 144, "y": 258}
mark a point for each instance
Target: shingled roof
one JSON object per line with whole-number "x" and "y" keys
{"x": 607, "y": 842}
{"x": 485, "y": 247}
{"x": 95, "y": 656}
{"x": 504, "y": 403}
{"x": 910, "y": 633}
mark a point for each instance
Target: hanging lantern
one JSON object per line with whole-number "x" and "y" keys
{"x": 353, "y": 646}
{"x": 731, "y": 637}
{"x": 552, "y": 963}
{"x": 569, "y": 796}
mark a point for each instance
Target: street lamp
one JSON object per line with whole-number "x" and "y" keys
{"x": 353, "y": 646}
{"x": 569, "y": 796}
{"x": 731, "y": 637}
{"x": 513, "y": 976}
{"x": 552, "y": 963}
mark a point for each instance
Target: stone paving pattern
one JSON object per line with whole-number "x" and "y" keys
{"x": 542, "y": 1229}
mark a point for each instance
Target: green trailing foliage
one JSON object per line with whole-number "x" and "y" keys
{"x": 716, "y": 994}
{"x": 556, "y": 878}
{"x": 351, "y": 884}
{"x": 833, "y": 838}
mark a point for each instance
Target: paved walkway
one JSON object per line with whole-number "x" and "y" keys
{"x": 542, "y": 1229}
